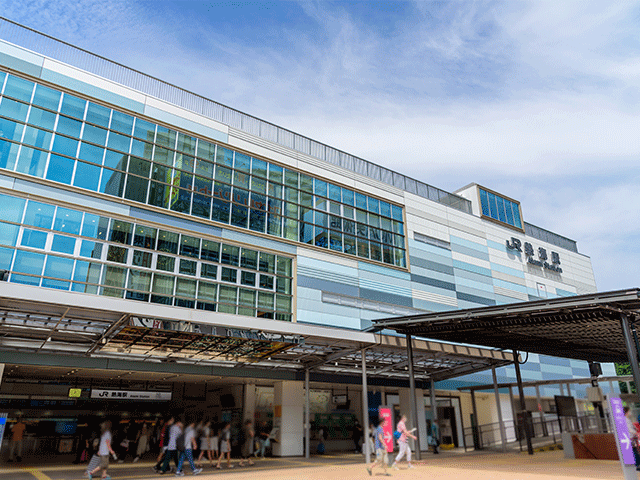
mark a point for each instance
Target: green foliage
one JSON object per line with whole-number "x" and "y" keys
{"x": 625, "y": 369}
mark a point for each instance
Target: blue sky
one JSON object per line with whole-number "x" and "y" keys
{"x": 537, "y": 100}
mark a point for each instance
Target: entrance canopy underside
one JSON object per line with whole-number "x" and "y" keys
{"x": 586, "y": 327}
{"x": 35, "y": 320}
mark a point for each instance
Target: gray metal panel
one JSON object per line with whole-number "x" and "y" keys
{"x": 386, "y": 297}
{"x": 435, "y": 266}
{"x": 175, "y": 222}
{"x": 327, "y": 286}
{"x": 475, "y": 299}
{"x": 433, "y": 282}
{"x": 469, "y": 251}
{"x": 476, "y": 277}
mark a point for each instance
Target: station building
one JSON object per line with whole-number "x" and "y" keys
{"x": 159, "y": 250}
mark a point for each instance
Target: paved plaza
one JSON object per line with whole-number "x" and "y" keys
{"x": 449, "y": 466}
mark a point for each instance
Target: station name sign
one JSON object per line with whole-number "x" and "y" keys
{"x": 543, "y": 257}
{"x": 129, "y": 395}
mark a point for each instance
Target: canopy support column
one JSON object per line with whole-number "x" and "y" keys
{"x": 523, "y": 406}
{"x": 503, "y": 434}
{"x": 475, "y": 429}
{"x": 307, "y": 415}
{"x": 365, "y": 408}
{"x": 632, "y": 351}
{"x": 412, "y": 394}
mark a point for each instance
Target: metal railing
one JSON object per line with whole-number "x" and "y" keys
{"x": 544, "y": 431}
{"x": 56, "y": 49}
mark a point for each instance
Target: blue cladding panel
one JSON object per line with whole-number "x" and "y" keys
{"x": 471, "y": 268}
{"x": 509, "y": 271}
{"x": 431, "y": 265}
{"x": 386, "y": 272}
{"x": 470, "y": 251}
{"x": 475, "y": 299}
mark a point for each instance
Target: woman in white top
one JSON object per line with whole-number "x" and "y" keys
{"x": 104, "y": 450}
{"x": 206, "y": 443}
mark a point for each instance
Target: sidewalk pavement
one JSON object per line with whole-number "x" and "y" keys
{"x": 509, "y": 466}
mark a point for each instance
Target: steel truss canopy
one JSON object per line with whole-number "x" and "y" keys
{"x": 585, "y": 327}
{"x": 35, "y": 320}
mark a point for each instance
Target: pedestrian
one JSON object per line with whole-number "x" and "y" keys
{"x": 214, "y": 442}
{"x": 163, "y": 440}
{"x": 403, "y": 443}
{"x": 205, "y": 442}
{"x": 142, "y": 441}
{"x": 382, "y": 458}
{"x": 357, "y": 435}
{"x": 633, "y": 435}
{"x": 104, "y": 450}
{"x": 225, "y": 445}
{"x": 434, "y": 438}
{"x": 17, "y": 435}
{"x": 371, "y": 439}
{"x": 190, "y": 445}
{"x": 247, "y": 441}
{"x": 262, "y": 434}
{"x": 172, "y": 446}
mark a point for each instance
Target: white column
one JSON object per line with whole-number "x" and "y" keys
{"x": 404, "y": 396}
{"x": 307, "y": 415}
{"x": 249, "y": 402}
{"x": 503, "y": 435}
{"x": 288, "y": 418}
{"x": 1, "y": 372}
{"x": 365, "y": 409}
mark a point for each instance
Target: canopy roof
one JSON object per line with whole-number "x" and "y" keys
{"x": 585, "y": 327}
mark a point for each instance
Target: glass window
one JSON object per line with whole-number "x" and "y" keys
{"x": 12, "y": 109}
{"x": 248, "y": 278}
{"x": 94, "y": 134}
{"x": 42, "y": 118}
{"x": 91, "y": 153}
{"x": 283, "y": 285}
{"x": 8, "y": 154}
{"x": 206, "y": 150}
{"x": 6, "y": 256}
{"x": 33, "y": 238}
{"x": 190, "y": 246}
{"x": 121, "y": 232}
{"x": 230, "y": 255}
{"x": 291, "y": 178}
{"x": 39, "y": 214}
{"x": 29, "y": 263}
{"x": 249, "y": 259}
{"x": 166, "y": 263}
{"x": 335, "y": 193}
{"x": 63, "y": 244}
{"x": 67, "y": 221}
{"x": 87, "y": 176}
{"x": 275, "y": 173}
{"x": 72, "y": 106}
{"x": 117, "y": 254}
{"x": 95, "y": 226}
{"x": 284, "y": 266}
{"x": 187, "y": 289}
{"x": 98, "y": 115}
{"x": 139, "y": 284}
{"x": 283, "y": 303}
{"x": 266, "y": 282}
{"x": 385, "y": 209}
{"x": 140, "y": 167}
{"x": 136, "y": 189}
{"x": 32, "y": 161}
{"x": 142, "y": 149}
{"x": 9, "y": 234}
{"x": 88, "y": 273}
{"x": 207, "y": 296}
{"x": 90, "y": 249}
{"x": 165, "y": 137}
{"x": 239, "y": 216}
{"x": 118, "y": 142}
{"x": 242, "y": 162}
{"x": 186, "y": 144}
{"x": 10, "y": 130}
{"x": 114, "y": 278}
{"x": 145, "y": 237}
{"x": 46, "y": 97}
{"x": 144, "y": 130}
{"x": 12, "y": 208}
{"x": 265, "y": 301}
{"x": 59, "y": 268}
{"x": 229, "y": 275}
{"x": 247, "y": 298}
{"x": 210, "y": 251}
{"x": 121, "y": 122}
{"x": 267, "y": 262}
{"x": 397, "y": 213}
{"x": 37, "y": 138}
{"x": 142, "y": 259}
{"x": 228, "y": 296}
{"x": 19, "y": 88}
{"x": 187, "y": 267}
{"x": 162, "y": 286}
{"x": 69, "y": 126}
{"x": 65, "y": 146}
{"x": 208, "y": 271}
{"x": 168, "y": 242}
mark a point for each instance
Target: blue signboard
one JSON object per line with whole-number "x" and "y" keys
{"x": 620, "y": 423}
